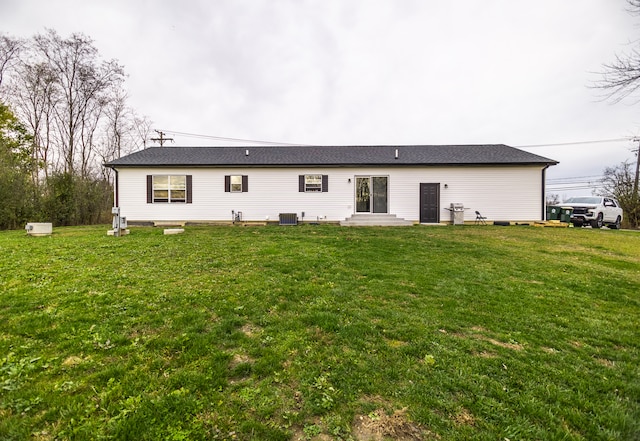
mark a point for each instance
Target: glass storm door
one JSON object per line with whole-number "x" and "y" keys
{"x": 371, "y": 194}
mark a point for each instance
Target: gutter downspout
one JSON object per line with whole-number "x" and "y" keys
{"x": 544, "y": 193}
{"x": 116, "y": 190}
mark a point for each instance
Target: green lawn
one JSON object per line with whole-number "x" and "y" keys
{"x": 321, "y": 332}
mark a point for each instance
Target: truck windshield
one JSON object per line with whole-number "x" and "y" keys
{"x": 583, "y": 200}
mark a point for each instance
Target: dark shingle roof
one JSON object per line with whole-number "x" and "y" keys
{"x": 334, "y": 156}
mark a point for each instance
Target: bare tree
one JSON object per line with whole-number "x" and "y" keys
{"x": 83, "y": 84}
{"x": 143, "y": 128}
{"x": 618, "y": 182}
{"x": 125, "y": 131}
{"x": 553, "y": 199}
{"x": 118, "y": 123}
{"x": 10, "y": 49}
{"x": 621, "y": 77}
{"x": 34, "y": 95}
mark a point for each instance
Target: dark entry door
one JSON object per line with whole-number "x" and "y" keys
{"x": 429, "y": 203}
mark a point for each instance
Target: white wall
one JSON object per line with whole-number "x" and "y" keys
{"x": 499, "y": 193}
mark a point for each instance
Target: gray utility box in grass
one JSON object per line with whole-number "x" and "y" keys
{"x": 39, "y": 228}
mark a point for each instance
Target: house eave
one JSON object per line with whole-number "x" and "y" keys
{"x": 315, "y": 165}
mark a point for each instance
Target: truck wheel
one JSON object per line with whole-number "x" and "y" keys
{"x": 615, "y": 226}
{"x": 597, "y": 223}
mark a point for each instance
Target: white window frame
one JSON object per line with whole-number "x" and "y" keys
{"x": 174, "y": 185}
{"x": 310, "y": 184}
{"x": 235, "y": 183}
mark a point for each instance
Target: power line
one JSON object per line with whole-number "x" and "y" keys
{"x": 228, "y": 139}
{"x": 574, "y": 178}
{"x": 257, "y": 141}
{"x": 583, "y": 187}
{"x": 599, "y": 141}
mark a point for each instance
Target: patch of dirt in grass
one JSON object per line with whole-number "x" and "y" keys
{"x": 240, "y": 359}
{"x": 213, "y": 317}
{"x": 478, "y": 329}
{"x": 464, "y": 418}
{"x": 320, "y": 336}
{"x": 605, "y": 362}
{"x": 485, "y": 354}
{"x": 378, "y": 426}
{"x": 513, "y": 346}
{"x": 250, "y": 330}
{"x": 493, "y": 341}
{"x": 310, "y": 432}
{"x": 549, "y": 350}
{"x": 41, "y": 436}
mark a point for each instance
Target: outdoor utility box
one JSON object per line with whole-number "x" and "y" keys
{"x": 39, "y": 228}
{"x": 288, "y": 218}
{"x": 565, "y": 214}
{"x": 553, "y": 212}
{"x": 457, "y": 213}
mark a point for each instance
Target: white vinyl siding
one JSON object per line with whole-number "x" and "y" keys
{"x": 499, "y": 193}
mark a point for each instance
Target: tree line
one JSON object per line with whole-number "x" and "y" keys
{"x": 63, "y": 113}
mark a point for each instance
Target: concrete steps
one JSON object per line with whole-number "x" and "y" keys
{"x": 377, "y": 220}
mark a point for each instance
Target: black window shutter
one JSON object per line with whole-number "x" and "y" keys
{"x": 245, "y": 183}
{"x": 325, "y": 183}
{"x": 149, "y": 189}
{"x": 301, "y": 183}
{"x": 227, "y": 184}
{"x": 189, "y": 189}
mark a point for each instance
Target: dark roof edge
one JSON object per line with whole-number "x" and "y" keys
{"x": 452, "y": 164}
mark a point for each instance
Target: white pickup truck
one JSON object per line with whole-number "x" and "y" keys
{"x": 595, "y": 211}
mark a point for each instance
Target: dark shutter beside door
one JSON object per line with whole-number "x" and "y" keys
{"x": 189, "y": 189}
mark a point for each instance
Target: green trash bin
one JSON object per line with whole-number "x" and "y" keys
{"x": 565, "y": 214}
{"x": 553, "y": 212}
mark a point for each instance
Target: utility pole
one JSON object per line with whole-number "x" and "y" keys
{"x": 162, "y": 139}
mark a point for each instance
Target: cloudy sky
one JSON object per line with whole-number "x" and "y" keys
{"x": 366, "y": 71}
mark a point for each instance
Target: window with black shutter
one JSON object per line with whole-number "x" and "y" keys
{"x": 236, "y": 183}
{"x": 313, "y": 183}
{"x": 169, "y": 189}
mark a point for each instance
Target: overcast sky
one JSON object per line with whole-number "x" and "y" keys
{"x": 365, "y": 71}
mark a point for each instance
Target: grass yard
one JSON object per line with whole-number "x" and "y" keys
{"x": 321, "y": 333}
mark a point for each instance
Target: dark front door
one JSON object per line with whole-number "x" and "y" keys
{"x": 429, "y": 203}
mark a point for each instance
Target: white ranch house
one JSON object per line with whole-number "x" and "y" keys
{"x": 410, "y": 184}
